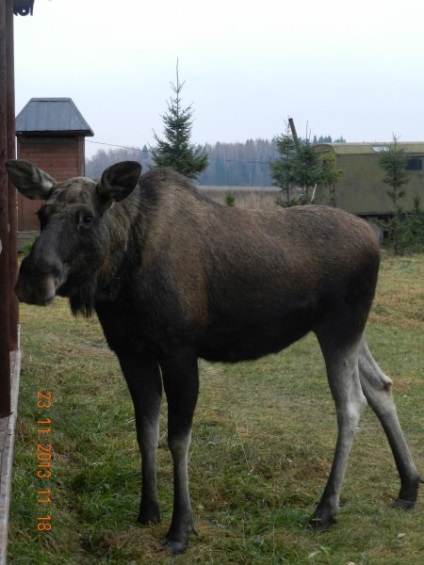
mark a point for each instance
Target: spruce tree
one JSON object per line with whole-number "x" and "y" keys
{"x": 330, "y": 175}
{"x": 394, "y": 162}
{"x": 176, "y": 150}
{"x": 283, "y": 168}
{"x": 297, "y": 168}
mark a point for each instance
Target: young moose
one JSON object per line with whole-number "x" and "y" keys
{"x": 173, "y": 277}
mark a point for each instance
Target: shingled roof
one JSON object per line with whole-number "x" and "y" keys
{"x": 54, "y": 115}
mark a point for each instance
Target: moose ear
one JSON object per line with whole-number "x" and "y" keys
{"x": 118, "y": 181}
{"x": 30, "y": 181}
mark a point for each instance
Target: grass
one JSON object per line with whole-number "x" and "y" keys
{"x": 263, "y": 441}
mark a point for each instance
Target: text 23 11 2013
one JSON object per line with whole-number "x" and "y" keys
{"x": 44, "y": 461}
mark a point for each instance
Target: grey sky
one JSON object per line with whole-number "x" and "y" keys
{"x": 351, "y": 69}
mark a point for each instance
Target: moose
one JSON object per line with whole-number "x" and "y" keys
{"x": 174, "y": 277}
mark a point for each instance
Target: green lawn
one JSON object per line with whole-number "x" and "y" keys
{"x": 263, "y": 442}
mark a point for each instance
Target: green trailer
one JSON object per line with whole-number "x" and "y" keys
{"x": 361, "y": 189}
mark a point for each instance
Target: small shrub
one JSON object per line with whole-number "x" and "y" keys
{"x": 295, "y": 201}
{"x": 405, "y": 231}
{"x": 230, "y": 199}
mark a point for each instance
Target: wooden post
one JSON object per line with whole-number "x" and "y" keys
{"x": 12, "y": 203}
{"x": 294, "y": 133}
{"x": 4, "y": 227}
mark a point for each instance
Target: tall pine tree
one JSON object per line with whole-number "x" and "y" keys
{"x": 176, "y": 150}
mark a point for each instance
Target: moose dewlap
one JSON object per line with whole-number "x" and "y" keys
{"x": 173, "y": 277}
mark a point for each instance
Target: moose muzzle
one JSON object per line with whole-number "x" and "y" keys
{"x": 36, "y": 285}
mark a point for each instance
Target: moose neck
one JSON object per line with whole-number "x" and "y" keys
{"x": 110, "y": 277}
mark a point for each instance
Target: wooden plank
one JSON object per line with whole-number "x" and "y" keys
{"x": 7, "y": 441}
{"x": 4, "y": 227}
{"x": 11, "y": 154}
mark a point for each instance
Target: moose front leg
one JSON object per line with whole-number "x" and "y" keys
{"x": 181, "y": 382}
{"x": 145, "y": 385}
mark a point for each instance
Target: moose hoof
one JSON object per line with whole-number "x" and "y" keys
{"x": 405, "y": 504}
{"x": 146, "y": 518}
{"x": 175, "y": 547}
{"x": 321, "y": 521}
{"x": 178, "y": 542}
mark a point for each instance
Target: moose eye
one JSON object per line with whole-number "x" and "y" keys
{"x": 86, "y": 219}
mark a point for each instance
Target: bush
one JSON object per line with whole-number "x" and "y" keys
{"x": 230, "y": 199}
{"x": 405, "y": 231}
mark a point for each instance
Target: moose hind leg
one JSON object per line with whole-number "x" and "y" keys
{"x": 343, "y": 377}
{"x": 377, "y": 388}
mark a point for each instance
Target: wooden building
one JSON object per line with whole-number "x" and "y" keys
{"x": 51, "y": 134}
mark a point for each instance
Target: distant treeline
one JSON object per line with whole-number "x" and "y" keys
{"x": 230, "y": 164}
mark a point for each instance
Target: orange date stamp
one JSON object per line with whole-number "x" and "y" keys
{"x": 44, "y": 455}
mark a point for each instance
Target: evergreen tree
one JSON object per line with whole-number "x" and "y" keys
{"x": 307, "y": 168}
{"x": 330, "y": 175}
{"x": 283, "y": 168}
{"x": 298, "y": 166}
{"x": 176, "y": 150}
{"x": 394, "y": 161}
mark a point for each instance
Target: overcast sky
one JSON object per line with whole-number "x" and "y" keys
{"x": 338, "y": 68}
